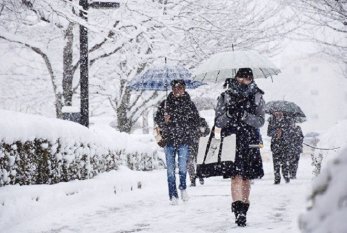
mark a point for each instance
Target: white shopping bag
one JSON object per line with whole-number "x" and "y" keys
{"x": 212, "y": 154}
{"x": 228, "y": 150}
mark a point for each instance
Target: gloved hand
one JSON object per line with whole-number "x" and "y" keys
{"x": 235, "y": 113}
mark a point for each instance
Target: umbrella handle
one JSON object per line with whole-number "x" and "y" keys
{"x": 165, "y": 97}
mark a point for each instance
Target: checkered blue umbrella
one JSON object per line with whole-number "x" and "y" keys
{"x": 159, "y": 78}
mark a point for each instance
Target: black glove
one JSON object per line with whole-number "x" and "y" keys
{"x": 235, "y": 113}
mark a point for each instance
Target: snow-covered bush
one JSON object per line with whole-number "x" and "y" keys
{"x": 46, "y": 162}
{"x": 39, "y": 150}
{"x": 327, "y": 209}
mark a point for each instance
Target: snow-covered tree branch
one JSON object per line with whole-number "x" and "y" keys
{"x": 325, "y": 23}
{"x": 126, "y": 41}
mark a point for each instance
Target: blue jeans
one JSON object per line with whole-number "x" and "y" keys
{"x": 183, "y": 156}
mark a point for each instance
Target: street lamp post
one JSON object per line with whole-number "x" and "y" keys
{"x": 84, "y": 61}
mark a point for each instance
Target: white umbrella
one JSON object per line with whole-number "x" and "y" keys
{"x": 225, "y": 65}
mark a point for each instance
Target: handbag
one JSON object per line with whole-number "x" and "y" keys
{"x": 216, "y": 157}
{"x": 158, "y": 137}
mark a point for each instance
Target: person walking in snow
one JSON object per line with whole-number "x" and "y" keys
{"x": 240, "y": 111}
{"x": 177, "y": 118}
{"x": 202, "y": 130}
{"x": 296, "y": 144}
{"x": 281, "y": 129}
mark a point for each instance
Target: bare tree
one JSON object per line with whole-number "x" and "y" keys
{"x": 224, "y": 25}
{"x": 20, "y": 20}
{"x": 195, "y": 29}
{"x": 64, "y": 26}
{"x": 325, "y": 23}
{"x": 127, "y": 41}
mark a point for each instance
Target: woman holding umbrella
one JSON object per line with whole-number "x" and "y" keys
{"x": 240, "y": 111}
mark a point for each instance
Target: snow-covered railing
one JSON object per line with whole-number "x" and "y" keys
{"x": 39, "y": 150}
{"x": 326, "y": 146}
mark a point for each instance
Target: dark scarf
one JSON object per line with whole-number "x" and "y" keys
{"x": 242, "y": 90}
{"x": 173, "y": 100}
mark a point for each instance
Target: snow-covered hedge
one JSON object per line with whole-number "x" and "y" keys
{"x": 41, "y": 161}
{"x": 39, "y": 150}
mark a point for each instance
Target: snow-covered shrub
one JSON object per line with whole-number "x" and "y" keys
{"x": 45, "y": 162}
{"x": 327, "y": 209}
{"x": 144, "y": 162}
{"x": 39, "y": 150}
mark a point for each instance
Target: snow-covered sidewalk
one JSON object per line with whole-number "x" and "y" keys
{"x": 112, "y": 202}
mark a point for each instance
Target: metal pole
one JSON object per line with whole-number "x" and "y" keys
{"x": 84, "y": 62}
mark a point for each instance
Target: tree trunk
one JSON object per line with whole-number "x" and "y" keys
{"x": 124, "y": 124}
{"x": 67, "y": 66}
{"x": 145, "y": 126}
{"x": 59, "y": 106}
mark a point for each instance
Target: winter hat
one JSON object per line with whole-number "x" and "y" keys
{"x": 244, "y": 72}
{"x": 177, "y": 82}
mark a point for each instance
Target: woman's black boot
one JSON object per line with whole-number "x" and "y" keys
{"x": 234, "y": 209}
{"x": 240, "y": 210}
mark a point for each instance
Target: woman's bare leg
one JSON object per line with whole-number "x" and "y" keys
{"x": 240, "y": 189}
{"x": 246, "y": 189}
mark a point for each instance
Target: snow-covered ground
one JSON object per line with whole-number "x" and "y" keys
{"x": 113, "y": 202}
{"x": 131, "y": 201}
{"x": 125, "y": 201}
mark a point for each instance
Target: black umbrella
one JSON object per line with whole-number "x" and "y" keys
{"x": 287, "y": 107}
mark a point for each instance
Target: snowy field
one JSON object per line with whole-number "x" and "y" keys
{"x": 113, "y": 202}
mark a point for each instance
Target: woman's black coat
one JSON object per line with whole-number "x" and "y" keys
{"x": 183, "y": 123}
{"x": 240, "y": 111}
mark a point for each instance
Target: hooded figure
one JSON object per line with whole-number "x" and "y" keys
{"x": 177, "y": 119}
{"x": 296, "y": 150}
{"x": 286, "y": 145}
{"x": 240, "y": 111}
